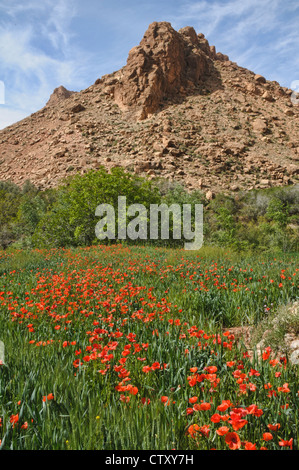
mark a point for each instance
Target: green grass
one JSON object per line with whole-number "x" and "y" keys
{"x": 119, "y": 309}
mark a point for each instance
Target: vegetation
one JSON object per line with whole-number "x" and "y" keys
{"x": 64, "y": 217}
{"x": 114, "y": 347}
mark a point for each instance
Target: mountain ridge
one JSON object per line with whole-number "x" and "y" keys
{"x": 178, "y": 110}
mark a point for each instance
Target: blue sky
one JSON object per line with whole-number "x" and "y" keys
{"x": 44, "y": 44}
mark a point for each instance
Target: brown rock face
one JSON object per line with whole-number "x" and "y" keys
{"x": 166, "y": 63}
{"x": 59, "y": 94}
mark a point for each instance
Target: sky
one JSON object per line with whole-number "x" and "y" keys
{"x": 48, "y": 43}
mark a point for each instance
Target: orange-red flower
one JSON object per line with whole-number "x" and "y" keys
{"x": 145, "y": 401}
{"x": 14, "y": 419}
{"x": 193, "y": 400}
{"x": 224, "y": 405}
{"x": 222, "y": 430}
{"x": 284, "y": 388}
{"x": 205, "y": 430}
{"x": 273, "y": 427}
{"x": 216, "y": 418}
{"x": 284, "y": 443}
{"x": 250, "y": 446}
{"x": 233, "y": 441}
{"x": 124, "y": 399}
{"x": 165, "y": 400}
{"x": 48, "y": 397}
{"x": 205, "y": 406}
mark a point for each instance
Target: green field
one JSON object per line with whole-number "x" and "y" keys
{"x": 116, "y": 347}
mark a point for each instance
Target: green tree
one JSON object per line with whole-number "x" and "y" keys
{"x": 72, "y": 219}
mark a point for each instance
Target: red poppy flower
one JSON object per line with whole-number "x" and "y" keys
{"x": 250, "y": 446}
{"x": 233, "y": 441}
{"x": 222, "y": 431}
{"x": 48, "y": 397}
{"x": 267, "y": 436}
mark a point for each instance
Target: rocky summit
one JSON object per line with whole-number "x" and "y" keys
{"x": 178, "y": 110}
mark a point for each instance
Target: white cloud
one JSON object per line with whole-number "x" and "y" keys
{"x": 30, "y": 71}
{"x": 256, "y": 34}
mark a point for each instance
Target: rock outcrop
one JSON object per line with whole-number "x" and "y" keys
{"x": 59, "y": 94}
{"x": 165, "y": 65}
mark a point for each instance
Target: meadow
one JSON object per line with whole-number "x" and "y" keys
{"x": 118, "y": 347}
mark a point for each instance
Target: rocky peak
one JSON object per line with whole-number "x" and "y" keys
{"x": 211, "y": 125}
{"x": 59, "y": 94}
{"x": 167, "y": 63}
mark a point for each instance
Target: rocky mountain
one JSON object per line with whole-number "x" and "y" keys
{"x": 177, "y": 110}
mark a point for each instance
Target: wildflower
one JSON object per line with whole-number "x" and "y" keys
{"x": 252, "y": 387}
{"x": 145, "y": 401}
{"x": 193, "y": 428}
{"x": 205, "y": 430}
{"x": 156, "y": 365}
{"x": 273, "y": 427}
{"x": 205, "y": 406}
{"x": 274, "y": 362}
{"x": 224, "y": 405}
{"x": 14, "y": 419}
{"x": 266, "y": 353}
{"x": 222, "y": 431}
{"x": 216, "y": 418}
{"x": 254, "y": 410}
{"x": 48, "y": 397}
{"x": 250, "y": 446}
{"x": 193, "y": 400}
{"x": 254, "y": 372}
{"x": 284, "y": 388}
{"x": 165, "y": 400}
{"x": 211, "y": 369}
{"x": 230, "y": 363}
{"x": 284, "y": 443}
{"x": 124, "y": 399}
{"x": 233, "y": 441}
{"x": 238, "y": 424}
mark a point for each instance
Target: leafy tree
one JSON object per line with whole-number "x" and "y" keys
{"x": 72, "y": 219}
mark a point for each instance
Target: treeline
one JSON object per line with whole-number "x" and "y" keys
{"x": 64, "y": 217}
